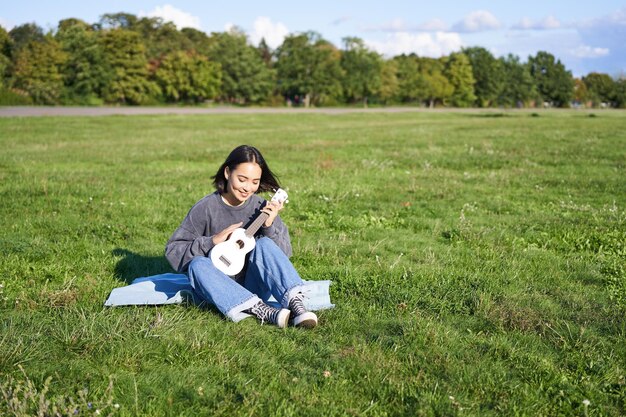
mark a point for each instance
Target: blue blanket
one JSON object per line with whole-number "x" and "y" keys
{"x": 173, "y": 288}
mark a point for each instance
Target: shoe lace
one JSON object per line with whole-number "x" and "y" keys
{"x": 264, "y": 312}
{"x": 296, "y": 304}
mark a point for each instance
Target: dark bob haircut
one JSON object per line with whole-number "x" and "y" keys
{"x": 240, "y": 155}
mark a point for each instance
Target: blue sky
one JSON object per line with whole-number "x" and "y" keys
{"x": 586, "y": 36}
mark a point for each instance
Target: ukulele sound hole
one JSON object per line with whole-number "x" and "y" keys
{"x": 240, "y": 243}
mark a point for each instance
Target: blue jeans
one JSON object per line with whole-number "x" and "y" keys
{"x": 270, "y": 273}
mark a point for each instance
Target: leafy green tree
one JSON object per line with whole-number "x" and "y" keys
{"x": 5, "y": 42}
{"x": 601, "y": 88}
{"x": 410, "y": 80}
{"x": 458, "y": 70}
{"x": 488, "y": 74}
{"x": 362, "y": 71}
{"x": 245, "y": 77}
{"x": 127, "y": 68}
{"x": 4, "y": 69}
{"x": 328, "y": 74}
{"x": 518, "y": 87}
{"x": 118, "y": 21}
{"x": 554, "y": 83}
{"x": 188, "y": 77}
{"x": 389, "y": 84}
{"x": 5, "y": 61}
{"x": 422, "y": 80}
{"x": 160, "y": 37}
{"x": 198, "y": 40}
{"x": 37, "y": 70}
{"x": 620, "y": 93}
{"x": 24, "y": 35}
{"x": 84, "y": 72}
{"x": 72, "y": 22}
{"x": 265, "y": 52}
{"x": 581, "y": 94}
{"x": 309, "y": 66}
{"x": 434, "y": 86}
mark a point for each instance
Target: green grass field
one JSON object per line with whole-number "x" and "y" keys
{"x": 478, "y": 265}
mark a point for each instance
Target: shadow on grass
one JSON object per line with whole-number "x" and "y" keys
{"x": 133, "y": 265}
{"x": 487, "y": 114}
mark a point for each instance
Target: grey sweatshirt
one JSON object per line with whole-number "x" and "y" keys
{"x": 211, "y": 215}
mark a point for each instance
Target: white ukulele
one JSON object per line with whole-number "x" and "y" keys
{"x": 230, "y": 255}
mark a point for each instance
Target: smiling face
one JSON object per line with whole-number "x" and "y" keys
{"x": 242, "y": 182}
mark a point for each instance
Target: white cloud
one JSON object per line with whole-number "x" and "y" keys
{"x": 547, "y": 23}
{"x": 524, "y": 24}
{"x": 550, "y": 22}
{"x": 477, "y": 21}
{"x": 584, "y": 51}
{"x": 423, "y": 44}
{"x": 400, "y": 25}
{"x": 341, "y": 20}
{"x": 609, "y": 31}
{"x": 433, "y": 25}
{"x": 617, "y": 18}
{"x": 7, "y": 25}
{"x": 273, "y": 33}
{"x": 394, "y": 25}
{"x": 170, "y": 13}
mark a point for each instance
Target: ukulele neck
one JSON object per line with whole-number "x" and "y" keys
{"x": 256, "y": 224}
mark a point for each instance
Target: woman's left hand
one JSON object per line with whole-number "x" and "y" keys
{"x": 271, "y": 208}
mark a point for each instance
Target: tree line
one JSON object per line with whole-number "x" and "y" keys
{"x": 124, "y": 59}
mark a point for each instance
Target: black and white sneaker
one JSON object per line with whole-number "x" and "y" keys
{"x": 301, "y": 317}
{"x": 269, "y": 314}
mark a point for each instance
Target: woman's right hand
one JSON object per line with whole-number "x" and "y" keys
{"x": 223, "y": 235}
